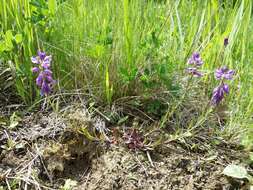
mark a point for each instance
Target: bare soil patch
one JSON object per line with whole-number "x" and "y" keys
{"x": 47, "y": 149}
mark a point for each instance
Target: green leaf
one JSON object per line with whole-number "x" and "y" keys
{"x": 52, "y": 5}
{"x": 122, "y": 120}
{"x": 235, "y": 171}
{"x": 8, "y": 40}
{"x": 2, "y": 46}
{"x": 18, "y": 38}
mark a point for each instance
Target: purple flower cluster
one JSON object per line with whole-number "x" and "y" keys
{"x": 196, "y": 61}
{"x": 44, "y": 79}
{"x": 224, "y": 73}
{"x": 133, "y": 139}
{"x": 221, "y": 74}
{"x": 219, "y": 92}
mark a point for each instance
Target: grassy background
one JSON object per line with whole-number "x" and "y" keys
{"x": 112, "y": 49}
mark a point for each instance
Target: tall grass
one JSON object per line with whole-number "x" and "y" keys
{"x": 118, "y": 48}
{"x": 19, "y": 43}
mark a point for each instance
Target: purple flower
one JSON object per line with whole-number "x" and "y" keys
{"x": 45, "y": 89}
{"x": 35, "y": 60}
{"x": 195, "y": 59}
{"x": 194, "y": 71}
{"x": 224, "y": 73}
{"x": 225, "y": 41}
{"x": 42, "y": 59}
{"x": 226, "y": 88}
{"x": 49, "y": 78}
{"x": 218, "y": 93}
{"x": 48, "y": 72}
{"x": 44, "y": 79}
{"x": 41, "y": 55}
{"x": 46, "y": 62}
{"x": 39, "y": 79}
{"x": 35, "y": 69}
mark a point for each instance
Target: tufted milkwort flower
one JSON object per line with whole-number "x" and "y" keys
{"x": 224, "y": 73}
{"x": 44, "y": 79}
{"x": 219, "y": 92}
{"x": 196, "y": 61}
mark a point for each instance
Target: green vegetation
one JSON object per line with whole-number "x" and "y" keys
{"x": 134, "y": 53}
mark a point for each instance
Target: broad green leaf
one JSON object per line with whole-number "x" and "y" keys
{"x": 18, "y": 38}
{"x": 235, "y": 171}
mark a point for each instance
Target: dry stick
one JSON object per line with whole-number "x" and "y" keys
{"x": 6, "y": 179}
{"x": 48, "y": 175}
{"x": 8, "y": 185}
{"x": 84, "y": 172}
{"x": 149, "y": 158}
{"x": 86, "y": 181}
{"x": 28, "y": 164}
